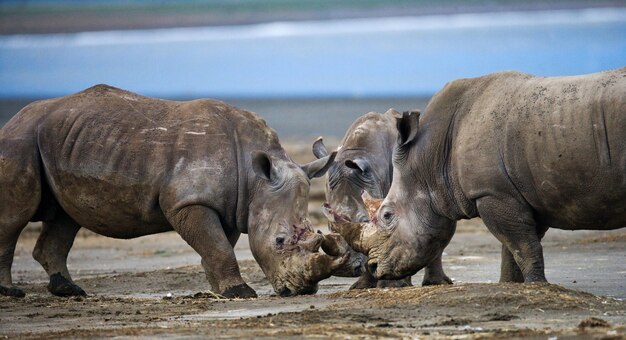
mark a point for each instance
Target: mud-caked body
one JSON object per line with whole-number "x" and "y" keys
{"x": 124, "y": 165}
{"x": 524, "y": 153}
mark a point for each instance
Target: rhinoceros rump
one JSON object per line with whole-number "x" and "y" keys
{"x": 364, "y": 164}
{"x": 123, "y": 166}
{"x": 524, "y": 153}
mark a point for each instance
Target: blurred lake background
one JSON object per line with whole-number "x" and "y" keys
{"x": 308, "y": 67}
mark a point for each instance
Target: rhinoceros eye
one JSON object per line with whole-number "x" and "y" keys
{"x": 280, "y": 241}
{"x": 387, "y": 216}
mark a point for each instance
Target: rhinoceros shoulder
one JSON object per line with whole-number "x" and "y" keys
{"x": 103, "y": 90}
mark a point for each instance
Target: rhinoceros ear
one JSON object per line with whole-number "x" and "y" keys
{"x": 319, "y": 167}
{"x": 407, "y": 125}
{"x": 393, "y": 113}
{"x": 319, "y": 149}
{"x": 262, "y": 165}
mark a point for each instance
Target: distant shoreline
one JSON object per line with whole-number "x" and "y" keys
{"x": 63, "y": 18}
{"x": 292, "y": 118}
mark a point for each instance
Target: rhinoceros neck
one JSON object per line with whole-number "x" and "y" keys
{"x": 434, "y": 158}
{"x": 255, "y": 135}
{"x": 242, "y": 189}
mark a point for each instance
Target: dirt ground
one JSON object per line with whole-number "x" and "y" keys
{"x": 154, "y": 286}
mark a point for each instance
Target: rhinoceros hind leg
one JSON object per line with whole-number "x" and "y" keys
{"x": 53, "y": 246}
{"x": 201, "y": 228}
{"x": 366, "y": 280}
{"x": 61, "y": 286}
{"x": 8, "y": 241}
{"x": 434, "y": 274}
{"x": 20, "y": 196}
{"x": 406, "y": 282}
{"x": 242, "y": 291}
{"x": 11, "y": 291}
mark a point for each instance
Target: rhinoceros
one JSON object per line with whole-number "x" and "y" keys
{"x": 361, "y": 177}
{"x": 524, "y": 153}
{"x": 124, "y": 165}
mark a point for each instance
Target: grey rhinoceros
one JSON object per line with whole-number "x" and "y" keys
{"x": 124, "y": 165}
{"x": 524, "y": 153}
{"x": 360, "y": 178}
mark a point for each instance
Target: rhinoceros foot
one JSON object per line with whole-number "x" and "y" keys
{"x": 61, "y": 286}
{"x": 406, "y": 282}
{"x": 366, "y": 280}
{"x": 242, "y": 291}
{"x": 436, "y": 280}
{"x": 11, "y": 291}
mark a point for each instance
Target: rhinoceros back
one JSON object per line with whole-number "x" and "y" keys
{"x": 560, "y": 141}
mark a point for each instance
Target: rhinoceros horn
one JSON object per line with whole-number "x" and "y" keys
{"x": 352, "y": 232}
{"x": 334, "y": 244}
{"x": 322, "y": 266}
{"x": 312, "y": 243}
{"x": 371, "y": 204}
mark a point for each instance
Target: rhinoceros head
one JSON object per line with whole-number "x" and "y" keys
{"x": 363, "y": 163}
{"x": 281, "y": 238}
{"x": 405, "y": 233}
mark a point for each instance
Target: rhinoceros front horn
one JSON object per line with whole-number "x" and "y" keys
{"x": 335, "y": 245}
{"x": 352, "y": 232}
{"x": 312, "y": 243}
{"x": 322, "y": 266}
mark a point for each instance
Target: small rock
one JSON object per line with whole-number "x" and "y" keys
{"x": 593, "y": 323}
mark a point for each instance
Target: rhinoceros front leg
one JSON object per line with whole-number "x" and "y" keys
{"x": 434, "y": 274}
{"x": 53, "y": 246}
{"x": 509, "y": 270}
{"x": 405, "y": 282}
{"x": 232, "y": 236}
{"x": 200, "y": 227}
{"x": 366, "y": 280}
{"x": 512, "y": 223}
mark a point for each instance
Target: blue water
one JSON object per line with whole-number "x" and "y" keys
{"x": 406, "y": 56}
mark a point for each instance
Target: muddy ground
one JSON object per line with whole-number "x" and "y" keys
{"x": 154, "y": 286}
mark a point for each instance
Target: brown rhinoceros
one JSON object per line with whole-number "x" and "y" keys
{"x": 124, "y": 165}
{"x": 364, "y": 165}
{"x": 524, "y": 153}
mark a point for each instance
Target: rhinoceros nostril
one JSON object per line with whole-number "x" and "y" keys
{"x": 284, "y": 292}
{"x": 358, "y": 269}
{"x": 372, "y": 266}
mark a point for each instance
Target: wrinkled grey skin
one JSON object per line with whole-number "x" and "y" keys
{"x": 524, "y": 153}
{"x": 364, "y": 164}
{"x": 124, "y": 166}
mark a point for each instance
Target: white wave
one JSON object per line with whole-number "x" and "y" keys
{"x": 317, "y": 28}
